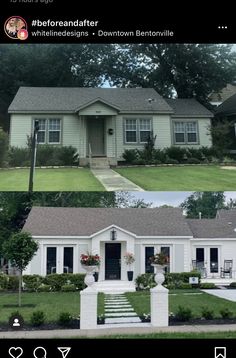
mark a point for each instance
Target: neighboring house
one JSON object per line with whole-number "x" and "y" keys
{"x": 103, "y": 122}
{"x": 64, "y": 234}
{"x": 217, "y": 98}
{"x": 227, "y": 111}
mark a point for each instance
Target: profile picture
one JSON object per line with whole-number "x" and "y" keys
{"x": 15, "y": 27}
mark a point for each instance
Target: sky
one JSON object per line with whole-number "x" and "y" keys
{"x": 173, "y": 198}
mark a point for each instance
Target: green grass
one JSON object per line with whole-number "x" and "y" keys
{"x": 64, "y": 179}
{"x": 51, "y": 303}
{"x": 187, "y": 178}
{"x": 141, "y": 302}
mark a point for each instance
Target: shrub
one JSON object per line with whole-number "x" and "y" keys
{"x": 130, "y": 155}
{"x": 176, "y": 153}
{"x": 185, "y": 286}
{"x": 55, "y": 281}
{"x": 18, "y": 157}
{"x": 32, "y": 282}
{"x": 13, "y": 283}
{"x": 193, "y": 161}
{"x": 184, "y": 313}
{"x": 44, "y": 288}
{"x": 37, "y": 318}
{"x": 207, "y": 286}
{"x": 207, "y": 313}
{"x": 232, "y": 285}
{"x": 226, "y": 313}
{"x": 171, "y": 161}
{"x": 64, "y": 319}
{"x": 3, "y": 281}
{"x": 3, "y": 146}
{"x": 145, "y": 281}
{"x": 177, "y": 279}
{"x": 68, "y": 288}
{"x": 77, "y": 279}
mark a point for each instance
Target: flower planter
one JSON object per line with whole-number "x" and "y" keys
{"x": 130, "y": 275}
{"x": 89, "y": 277}
{"x": 159, "y": 273}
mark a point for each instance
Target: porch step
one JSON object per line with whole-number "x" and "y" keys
{"x": 99, "y": 163}
{"x": 114, "y": 286}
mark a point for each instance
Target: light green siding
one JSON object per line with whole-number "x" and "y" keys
{"x": 71, "y": 131}
{"x": 20, "y": 127}
{"x": 204, "y": 132}
{"x": 99, "y": 109}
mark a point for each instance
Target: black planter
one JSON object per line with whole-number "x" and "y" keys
{"x": 95, "y": 276}
{"x": 130, "y": 275}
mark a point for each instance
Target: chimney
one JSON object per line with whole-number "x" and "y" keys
{"x": 199, "y": 215}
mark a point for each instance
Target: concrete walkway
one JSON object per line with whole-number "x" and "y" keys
{"x": 105, "y": 330}
{"x": 226, "y": 294}
{"x": 113, "y": 181}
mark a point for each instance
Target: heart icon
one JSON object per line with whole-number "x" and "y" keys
{"x": 15, "y": 352}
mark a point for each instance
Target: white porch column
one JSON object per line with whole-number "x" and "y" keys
{"x": 88, "y": 308}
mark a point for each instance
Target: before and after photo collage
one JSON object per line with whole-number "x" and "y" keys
{"x": 117, "y": 182}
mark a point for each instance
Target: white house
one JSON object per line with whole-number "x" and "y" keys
{"x": 64, "y": 234}
{"x": 103, "y": 122}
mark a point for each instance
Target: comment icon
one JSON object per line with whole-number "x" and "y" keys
{"x": 40, "y": 352}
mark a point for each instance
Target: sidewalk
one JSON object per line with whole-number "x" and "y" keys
{"x": 109, "y": 331}
{"x": 113, "y": 181}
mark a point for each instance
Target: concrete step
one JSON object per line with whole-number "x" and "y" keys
{"x": 99, "y": 163}
{"x": 123, "y": 320}
{"x": 114, "y": 287}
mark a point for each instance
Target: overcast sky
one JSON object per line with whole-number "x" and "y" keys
{"x": 174, "y": 198}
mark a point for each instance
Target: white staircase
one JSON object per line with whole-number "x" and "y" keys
{"x": 99, "y": 163}
{"x": 114, "y": 286}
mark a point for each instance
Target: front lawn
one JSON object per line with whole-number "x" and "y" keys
{"x": 188, "y": 299}
{"x": 187, "y": 178}
{"x": 51, "y": 303}
{"x": 64, "y": 179}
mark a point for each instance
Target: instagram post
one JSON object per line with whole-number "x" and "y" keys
{"x": 117, "y": 182}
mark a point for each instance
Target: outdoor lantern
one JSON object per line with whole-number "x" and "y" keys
{"x": 110, "y": 131}
{"x": 113, "y": 235}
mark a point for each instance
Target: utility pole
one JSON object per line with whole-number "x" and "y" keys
{"x": 33, "y": 155}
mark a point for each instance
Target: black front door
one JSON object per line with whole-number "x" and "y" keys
{"x": 112, "y": 261}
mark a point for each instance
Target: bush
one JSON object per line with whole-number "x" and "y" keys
{"x": 145, "y": 281}
{"x": 193, "y": 161}
{"x": 18, "y": 157}
{"x": 44, "y": 288}
{"x": 183, "y": 313}
{"x": 56, "y": 281}
{"x": 64, "y": 319}
{"x": 3, "y": 281}
{"x": 185, "y": 286}
{"x": 176, "y": 280}
{"x": 68, "y": 288}
{"x": 37, "y": 318}
{"x": 130, "y": 155}
{"x": 32, "y": 282}
{"x": 171, "y": 161}
{"x": 3, "y": 146}
{"x": 226, "y": 313}
{"x": 176, "y": 153}
{"x": 232, "y": 285}
{"x": 13, "y": 283}
{"x": 207, "y": 286}
{"x": 77, "y": 279}
{"x": 207, "y": 313}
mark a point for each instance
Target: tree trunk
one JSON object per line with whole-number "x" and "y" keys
{"x": 20, "y": 284}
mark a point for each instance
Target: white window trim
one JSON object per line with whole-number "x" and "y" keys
{"x": 138, "y": 141}
{"x": 186, "y": 133}
{"x": 47, "y": 130}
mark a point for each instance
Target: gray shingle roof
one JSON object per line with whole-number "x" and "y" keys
{"x": 48, "y": 221}
{"x": 228, "y": 107}
{"x": 188, "y": 107}
{"x": 213, "y": 228}
{"x": 70, "y": 100}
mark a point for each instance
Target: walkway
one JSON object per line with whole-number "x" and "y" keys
{"x": 118, "y": 310}
{"x": 227, "y": 294}
{"x": 113, "y": 181}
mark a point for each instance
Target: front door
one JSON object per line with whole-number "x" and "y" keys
{"x": 96, "y": 135}
{"x": 112, "y": 261}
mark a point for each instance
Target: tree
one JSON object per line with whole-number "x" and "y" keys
{"x": 3, "y": 146}
{"x": 20, "y": 250}
{"x": 207, "y": 203}
{"x": 184, "y": 70}
{"x": 221, "y": 135}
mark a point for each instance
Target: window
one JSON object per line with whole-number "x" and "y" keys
{"x": 149, "y": 251}
{"x": 185, "y": 132}
{"x": 51, "y": 260}
{"x": 213, "y": 259}
{"x": 166, "y": 251}
{"x": 137, "y": 130}
{"x": 68, "y": 260}
{"x": 49, "y": 130}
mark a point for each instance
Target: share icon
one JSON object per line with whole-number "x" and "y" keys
{"x": 64, "y": 351}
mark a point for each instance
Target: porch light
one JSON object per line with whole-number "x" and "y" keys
{"x": 113, "y": 235}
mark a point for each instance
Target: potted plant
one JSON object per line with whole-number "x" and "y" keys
{"x": 159, "y": 261}
{"x": 90, "y": 264}
{"x": 129, "y": 260}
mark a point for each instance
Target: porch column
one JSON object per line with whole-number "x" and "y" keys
{"x": 88, "y": 308}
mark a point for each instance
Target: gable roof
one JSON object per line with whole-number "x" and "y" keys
{"x": 212, "y": 228}
{"x": 228, "y": 107}
{"x": 50, "y": 221}
{"x": 188, "y": 107}
{"x": 70, "y": 99}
